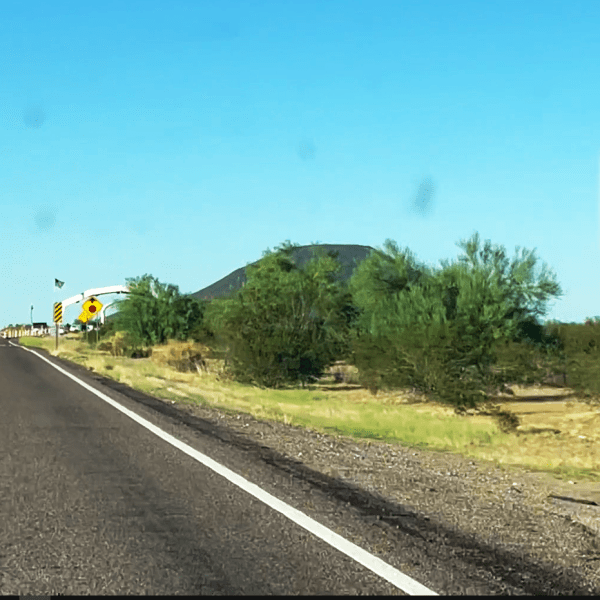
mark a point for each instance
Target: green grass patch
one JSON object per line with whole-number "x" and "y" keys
{"x": 36, "y": 342}
{"x": 403, "y": 424}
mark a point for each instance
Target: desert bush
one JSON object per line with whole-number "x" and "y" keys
{"x": 518, "y": 363}
{"x": 438, "y": 329}
{"x": 154, "y": 312}
{"x": 183, "y": 356}
{"x": 581, "y": 357}
{"x": 118, "y": 344}
{"x": 106, "y": 330}
{"x": 287, "y": 324}
{"x": 121, "y": 343}
{"x": 428, "y": 359}
{"x": 342, "y": 372}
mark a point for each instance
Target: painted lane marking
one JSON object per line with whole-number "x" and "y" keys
{"x": 366, "y": 559}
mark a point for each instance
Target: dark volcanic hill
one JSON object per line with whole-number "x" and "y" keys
{"x": 349, "y": 255}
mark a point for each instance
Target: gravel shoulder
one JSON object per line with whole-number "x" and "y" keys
{"x": 512, "y": 510}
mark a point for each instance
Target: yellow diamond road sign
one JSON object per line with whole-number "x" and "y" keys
{"x": 58, "y": 312}
{"x": 91, "y": 309}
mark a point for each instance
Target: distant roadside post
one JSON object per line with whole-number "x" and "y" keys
{"x": 57, "y": 319}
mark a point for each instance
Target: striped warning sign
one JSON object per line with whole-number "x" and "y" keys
{"x": 58, "y": 312}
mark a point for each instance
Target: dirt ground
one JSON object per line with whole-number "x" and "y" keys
{"x": 559, "y": 410}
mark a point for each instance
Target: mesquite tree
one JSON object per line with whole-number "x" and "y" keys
{"x": 287, "y": 323}
{"x": 429, "y": 327}
{"x": 154, "y": 312}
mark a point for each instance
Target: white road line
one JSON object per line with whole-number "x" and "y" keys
{"x": 374, "y": 564}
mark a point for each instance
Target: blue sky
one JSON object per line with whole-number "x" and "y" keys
{"x": 183, "y": 138}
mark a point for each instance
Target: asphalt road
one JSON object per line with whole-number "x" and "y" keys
{"x": 92, "y": 501}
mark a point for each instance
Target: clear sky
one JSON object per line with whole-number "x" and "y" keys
{"x": 184, "y": 138}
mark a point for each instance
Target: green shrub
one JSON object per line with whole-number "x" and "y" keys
{"x": 154, "y": 312}
{"x": 287, "y": 324}
{"x": 438, "y": 329}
